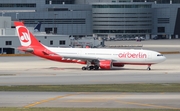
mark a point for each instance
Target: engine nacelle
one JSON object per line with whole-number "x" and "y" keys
{"x": 105, "y": 64}
{"x": 118, "y": 65}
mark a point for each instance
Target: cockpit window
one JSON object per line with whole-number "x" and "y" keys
{"x": 159, "y": 55}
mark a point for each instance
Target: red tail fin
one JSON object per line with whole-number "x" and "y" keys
{"x": 25, "y": 36}
{"x": 32, "y": 45}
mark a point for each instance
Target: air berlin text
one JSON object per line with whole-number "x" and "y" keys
{"x": 132, "y": 55}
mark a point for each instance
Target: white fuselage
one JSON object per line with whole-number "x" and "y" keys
{"x": 116, "y": 55}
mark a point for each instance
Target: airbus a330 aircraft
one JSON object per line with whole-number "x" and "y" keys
{"x": 94, "y": 58}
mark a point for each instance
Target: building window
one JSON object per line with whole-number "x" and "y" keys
{"x": 122, "y": 6}
{"x": 48, "y": 30}
{"x": 8, "y": 42}
{"x": 60, "y": 1}
{"x": 51, "y": 42}
{"x": 62, "y": 42}
{"x": 176, "y": 1}
{"x": 17, "y": 5}
{"x": 163, "y": 20}
{"x": 161, "y": 29}
{"x": 121, "y": 31}
{"x": 58, "y": 9}
{"x": 54, "y": 21}
{"x": 55, "y": 30}
{"x": 124, "y": 0}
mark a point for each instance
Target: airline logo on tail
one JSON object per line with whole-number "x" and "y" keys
{"x": 24, "y": 35}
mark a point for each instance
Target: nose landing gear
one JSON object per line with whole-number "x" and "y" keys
{"x": 149, "y": 67}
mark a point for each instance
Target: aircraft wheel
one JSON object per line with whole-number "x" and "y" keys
{"x": 96, "y": 67}
{"x": 91, "y": 67}
{"x": 148, "y": 68}
{"x": 84, "y": 68}
{"x": 88, "y": 68}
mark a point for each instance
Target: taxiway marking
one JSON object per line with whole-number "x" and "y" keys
{"x": 47, "y": 100}
{"x": 147, "y": 105}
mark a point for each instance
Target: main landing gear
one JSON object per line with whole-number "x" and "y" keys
{"x": 149, "y": 67}
{"x": 90, "y": 66}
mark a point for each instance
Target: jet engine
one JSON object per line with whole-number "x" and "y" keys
{"x": 105, "y": 64}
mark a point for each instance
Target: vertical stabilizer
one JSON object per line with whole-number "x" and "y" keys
{"x": 25, "y": 36}
{"x": 37, "y": 27}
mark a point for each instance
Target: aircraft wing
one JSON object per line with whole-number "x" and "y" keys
{"x": 85, "y": 59}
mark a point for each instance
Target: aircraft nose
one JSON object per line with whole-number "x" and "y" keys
{"x": 163, "y": 58}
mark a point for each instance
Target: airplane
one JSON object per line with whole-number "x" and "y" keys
{"x": 94, "y": 58}
{"x": 37, "y": 27}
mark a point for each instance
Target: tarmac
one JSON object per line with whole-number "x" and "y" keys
{"x": 90, "y": 100}
{"x": 31, "y": 70}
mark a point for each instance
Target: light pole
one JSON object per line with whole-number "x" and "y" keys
{"x": 3, "y": 13}
{"x": 17, "y": 15}
{"x": 54, "y": 23}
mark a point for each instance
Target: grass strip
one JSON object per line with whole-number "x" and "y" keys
{"x": 82, "y": 109}
{"x": 169, "y": 87}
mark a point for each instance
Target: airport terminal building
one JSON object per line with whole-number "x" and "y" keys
{"x": 102, "y": 18}
{"x": 9, "y": 41}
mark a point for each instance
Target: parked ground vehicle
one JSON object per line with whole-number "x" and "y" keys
{"x": 139, "y": 38}
{"x": 158, "y": 37}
